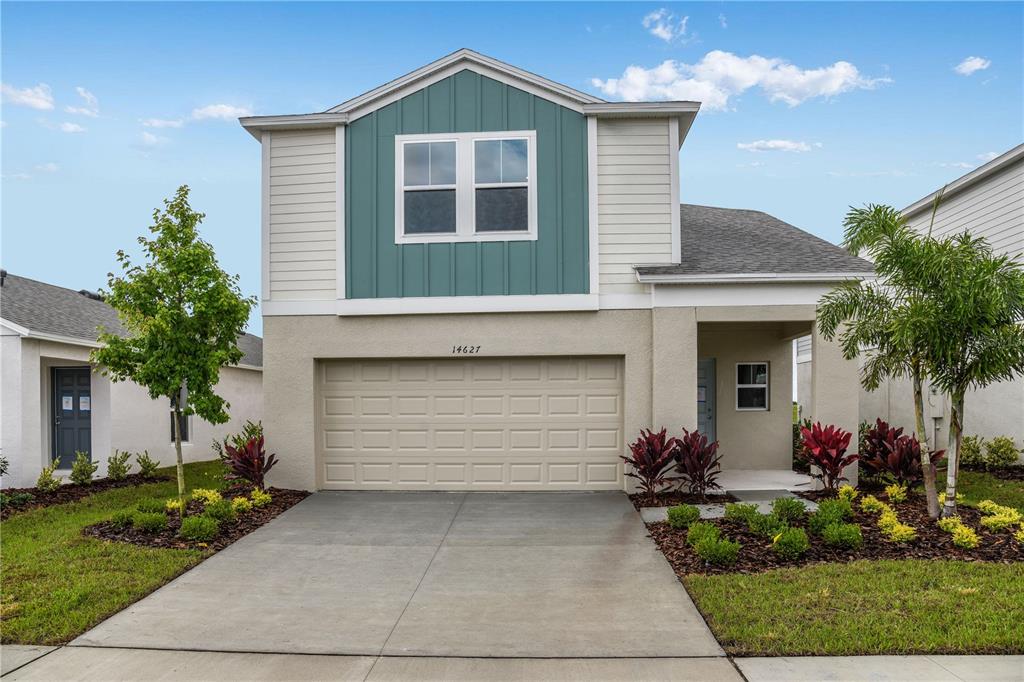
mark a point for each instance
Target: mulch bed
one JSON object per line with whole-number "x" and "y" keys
{"x": 1014, "y": 473}
{"x": 70, "y": 492}
{"x": 243, "y": 524}
{"x": 673, "y": 497}
{"x": 756, "y": 554}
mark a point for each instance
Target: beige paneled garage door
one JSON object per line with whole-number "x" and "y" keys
{"x": 471, "y": 424}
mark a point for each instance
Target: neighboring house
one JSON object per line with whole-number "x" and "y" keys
{"x": 53, "y": 402}
{"x": 988, "y": 202}
{"x": 475, "y": 278}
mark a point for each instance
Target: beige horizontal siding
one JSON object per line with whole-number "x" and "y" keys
{"x": 633, "y": 200}
{"x": 303, "y": 237}
{"x": 993, "y": 209}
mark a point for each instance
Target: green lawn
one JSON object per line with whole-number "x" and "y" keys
{"x": 56, "y": 584}
{"x": 977, "y": 486}
{"x": 866, "y": 607}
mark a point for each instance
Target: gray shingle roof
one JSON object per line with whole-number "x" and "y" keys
{"x": 47, "y": 309}
{"x": 731, "y": 241}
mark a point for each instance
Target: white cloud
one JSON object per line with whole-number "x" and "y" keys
{"x": 224, "y": 112}
{"x": 972, "y": 64}
{"x": 776, "y": 146}
{"x": 38, "y": 97}
{"x": 71, "y": 128}
{"x": 954, "y": 164}
{"x": 987, "y": 156}
{"x": 162, "y": 122}
{"x": 665, "y": 25}
{"x": 92, "y": 105}
{"x": 719, "y": 76}
{"x": 722, "y": 21}
{"x": 150, "y": 140}
{"x": 48, "y": 167}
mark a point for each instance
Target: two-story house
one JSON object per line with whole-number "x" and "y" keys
{"x": 475, "y": 278}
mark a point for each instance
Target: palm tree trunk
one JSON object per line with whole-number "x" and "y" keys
{"x": 177, "y": 449}
{"x": 927, "y": 468}
{"x": 956, "y": 424}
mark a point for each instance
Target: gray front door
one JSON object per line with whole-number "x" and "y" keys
{"x": 706, "y": 398}
{"x": 72, "y": 414}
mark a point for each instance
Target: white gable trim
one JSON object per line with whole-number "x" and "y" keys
{"x": 453, "y": 63}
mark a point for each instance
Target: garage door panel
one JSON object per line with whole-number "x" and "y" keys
{"x": 471, "y": 424}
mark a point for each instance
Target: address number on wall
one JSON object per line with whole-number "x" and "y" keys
{"x": 465, "y": 350}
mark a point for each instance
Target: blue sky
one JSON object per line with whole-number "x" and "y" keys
{"x": 809, "y": 108}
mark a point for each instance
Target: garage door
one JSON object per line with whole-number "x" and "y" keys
{"x": 471, "y": 424}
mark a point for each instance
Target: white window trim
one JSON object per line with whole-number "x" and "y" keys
{"x": 465, "y": 188}
{"x": 188, "y": 427}
{"x": 766, "y": 386}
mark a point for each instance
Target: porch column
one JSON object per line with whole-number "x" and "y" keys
{"x": 674, "y": 375}
{"x": 835, "y": 391}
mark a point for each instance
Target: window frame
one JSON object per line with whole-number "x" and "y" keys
{"x": 186, "y": 438}
{"x": 465, "y": 188}
{"x": 766, "y": 386}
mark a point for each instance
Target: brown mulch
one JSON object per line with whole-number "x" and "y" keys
{"x": 243, "y": 524}
{"x": 71, "y": 492}
{"x": 673, "y": 497}
{"x": 756, "y": 554}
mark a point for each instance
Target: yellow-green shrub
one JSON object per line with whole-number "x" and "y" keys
{"x": 942, "y": 498}
{"x": 997, "y": 517}
{"x": 206, "y": 496}
{"x": 893, "y": 530}
{"x": 173, "y": 504}
{"x": 241, "y": 505}
{"x": 46, "y": 481}
{"x": 848, "y": 493}
{"x": 963, "y": 535}
{"x": 897, "y": 493}
{"x": 260, "y": 498}
{"x": 1020, "y": 534}
{"x": 873, "y": 505}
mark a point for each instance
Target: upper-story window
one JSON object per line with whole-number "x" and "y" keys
{"x": 465, "y": 187}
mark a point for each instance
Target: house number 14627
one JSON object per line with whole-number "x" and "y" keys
{"x": 465, "y": 350}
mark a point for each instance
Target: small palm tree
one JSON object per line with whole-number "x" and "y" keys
{"x": 877, "y": 318}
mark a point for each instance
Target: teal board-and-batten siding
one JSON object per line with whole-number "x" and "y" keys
{"x": 556, "y": 263}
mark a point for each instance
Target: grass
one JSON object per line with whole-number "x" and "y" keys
{"x": 57, "y": 583}
{"x": 977, "y": 486}
{"x": 866, "y": 607}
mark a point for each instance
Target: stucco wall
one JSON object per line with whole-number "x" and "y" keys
{"x": 751, "y": 439}
{"x": 140, "y": 423}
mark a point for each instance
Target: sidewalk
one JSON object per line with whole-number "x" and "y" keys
{"x": 89, "y": 663}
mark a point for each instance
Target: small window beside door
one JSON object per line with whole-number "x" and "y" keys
{"x": 184, "y": 427}
{"x": 752, "y": 386}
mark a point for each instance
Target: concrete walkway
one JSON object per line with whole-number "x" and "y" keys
{"x": 561, "y": 575}
{"x": 86, "y": 663}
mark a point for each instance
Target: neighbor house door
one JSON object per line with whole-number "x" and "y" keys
{"x": 706, "y": 397}
{"x": 72, "y": 414}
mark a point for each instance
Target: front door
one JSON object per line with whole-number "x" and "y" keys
{"x": 706, "y": 398}
{"x": 72, "y": 414}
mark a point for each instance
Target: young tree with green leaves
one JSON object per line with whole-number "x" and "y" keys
{"x": 182, "y": 315}
{"x": 973, "y": 321}
{"x": 877, "y": 318}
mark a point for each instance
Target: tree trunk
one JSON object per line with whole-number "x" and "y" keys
{"x": 956, "y": 425}
{"x": 927, "y": 468}
{"x": 176, "y": 402}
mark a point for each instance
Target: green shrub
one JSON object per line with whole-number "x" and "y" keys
{"x": 842, "y": 535}
{"x": 683, "y": 515}
{"x": 829, "y": 512}
{"x": 1000, "y": 453}
{"x": 15, "y": 499}
{"x": 766, "y": 525}
{"x": 151, "y": 506}
{"x": 702, "y": 530}
{"x": 147, "y": 465}
{"x": 123, "y": 518}
{"x": 199, "y": 528}
{"x": 46, "y": 482}
{"x": 4, "y": 465}
{"x": 788, "y": 509}
{"x": 792, "y": 543}
{"x": 971, "y": 452}
{"x": 896, "y": 493}
{"x": 241, "y": 505}
{"x": 118, "y": 466}
{"x": 848, "y": 493}
{"x": 220, "y": 510}
{"x": 717, "y": 551}
{"x": 740, "y": 511}
{"x": 82, "y": 469}
{"x": 260, "y": 498}
{"x": 149, "y": 523}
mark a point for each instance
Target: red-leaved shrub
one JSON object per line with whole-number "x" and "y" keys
{"x": 651, "y": 457}
{"x": 887, "y": 453}
{"x": 825, "y": 448}
{"x": 698, "y": 462}
{"x": 249, "y": 461}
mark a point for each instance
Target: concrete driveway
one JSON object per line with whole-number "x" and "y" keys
{"x": 429, "y": 574}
